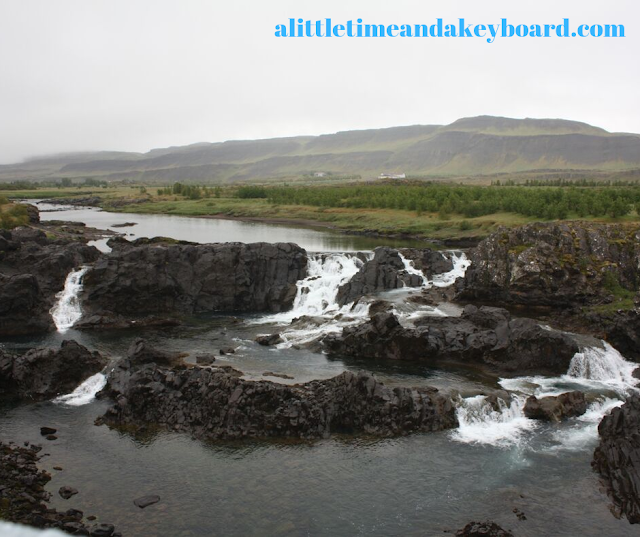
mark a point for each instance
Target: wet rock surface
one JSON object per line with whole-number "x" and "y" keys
{"x": 485, "y": 335}
{"x": 214, "y": 403}
{"x": 483, "y": 529}
{"x": 33, "y": 268}
{"x": 161, "y": 276}
{"x": 384, "y": 272}
{"x": 24, "y": 500}
{"x": 617, "y": 458}
{"x": 555, "y": 408}
{"x": 553, "y": 264}
{"x": 42, "y": 374}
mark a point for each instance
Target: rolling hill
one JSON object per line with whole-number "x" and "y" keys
{"x": 469, "y": 146}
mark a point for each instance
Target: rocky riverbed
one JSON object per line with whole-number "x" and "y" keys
{"x": 217, "y": 319}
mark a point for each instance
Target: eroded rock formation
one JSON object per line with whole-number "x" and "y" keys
{"x": 483, "y": 335}
{"x": 215, "y": 403}
{"x": 162, "y": 276}
{"x": 42, "y": 374}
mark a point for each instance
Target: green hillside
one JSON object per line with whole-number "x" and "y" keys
{"x": 469, "y": 146}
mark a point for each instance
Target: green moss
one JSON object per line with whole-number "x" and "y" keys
{"x": 517, "y": 250}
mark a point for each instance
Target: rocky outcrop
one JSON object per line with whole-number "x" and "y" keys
{"x": 42, "y": 374}
{"x": 162, "y": 276}
{"x": 483, "y": 529}
{"x": 620, "y": 328}
{"x": 33, "y": 268}
{"x": 485, "y": 335}
{"x": 555, "y": 408}
{"x": 215, "y": 403}
{"x": 385, "y": 271}
{"x": 23, "y": 306}
{"x": 24, "y": 499}
{"x": 617, "y": 458}
{"x": 554, "y": 264}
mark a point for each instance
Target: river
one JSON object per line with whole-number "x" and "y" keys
{"x": 423, "y": 484}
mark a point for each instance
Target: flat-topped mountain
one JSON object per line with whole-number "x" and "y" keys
{"x": 468, "y": 146}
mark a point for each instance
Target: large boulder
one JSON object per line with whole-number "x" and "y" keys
{"x": 385, "y": 271}
{"x": 216, "y": 403}
{"x": 488, "y": 336}
{"x": 161, "y": 276}
{"x": 617, "y": 457}
{"x": 554, "y": 264}
{"x": 555, "y": 408}
{"x": 23, "y": 306}
{"x": 42, "y": 374}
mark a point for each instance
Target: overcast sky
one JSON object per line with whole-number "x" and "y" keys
{"x": 137, "y": 74}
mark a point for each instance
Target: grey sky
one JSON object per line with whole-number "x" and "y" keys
{"x": 137, "y": 74}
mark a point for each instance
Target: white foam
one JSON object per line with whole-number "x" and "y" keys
{"x": 67, "y": 311}
{"x": 85, "y": 393}
{"x": 480, "y": 423}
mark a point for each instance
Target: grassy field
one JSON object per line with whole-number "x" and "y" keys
{"x": 427, "y": 224}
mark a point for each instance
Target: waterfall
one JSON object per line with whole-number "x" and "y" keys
{"x": 460, "y": 265}
{"x": 410, "y": 269}
{"x": 85, "y": 393}
{"x": 605, "y": 365}
{"x": 600, "y": 371}
{"x": 482, "y": 423}
{"x": 66, "y": 312}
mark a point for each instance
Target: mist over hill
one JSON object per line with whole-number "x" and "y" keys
{"x": 469, "y": 146}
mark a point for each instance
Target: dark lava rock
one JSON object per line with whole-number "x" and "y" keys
{"x": 380, "y": 306}
{"x": 125, "y": 224}
{"x": 45, "y": 431}
{"x": 485, "y": 335}
{"x": 23, "y": 498}
{"x": 110, "y": 322}
{"x": 483, "y": 529}
{"x": 617, "y": 458}
{"x": 268, "y": 340}
{"x": 102, "y": 530}
{"x": 51, "y": 437}
{"x": 620, "y": 328}
{"x": 163, "y": 276}
{"x": 277, "y": 375}
{"x": 384, "y": 272}
{"x": 33, "y": 268}
{"x": 227, "y": 350}
{"x": 553, "y": 264}
{"x": 216, "y": 404}
{"x": 430, "y": 262}
{"x": 140, "y": 352}
{"x": 66, "y": 492}
{"x": 555, "y": 408}
{"x": 205, "y": 359}
{"x": 41, "y": 374}
{"x": 146, "y": 501}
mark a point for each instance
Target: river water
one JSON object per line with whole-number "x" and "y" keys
{"x": 423, "y": 484}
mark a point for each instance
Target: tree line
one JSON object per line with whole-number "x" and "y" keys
{"x": 469, "y": 201}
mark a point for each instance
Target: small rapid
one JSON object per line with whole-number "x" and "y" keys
{"x": 67, "y": 311}
{"x": 599, "y": 371}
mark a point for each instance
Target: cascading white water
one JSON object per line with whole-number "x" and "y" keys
{"x": 460, "y": 265}
{"x": 66, "y": 312}
{"x": 410, "y": 269}
{"x": 85, "y": 393}
{"x": 481, "y": 423}
{"x": 596, "y": 370}
{"x": 605, "y": 365}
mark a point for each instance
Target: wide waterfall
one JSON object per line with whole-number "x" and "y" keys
{"x": 66, "y": 312}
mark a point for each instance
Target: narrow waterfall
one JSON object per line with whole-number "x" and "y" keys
{"x": 66, "y": 312}
{"x": 85, "y": 393}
